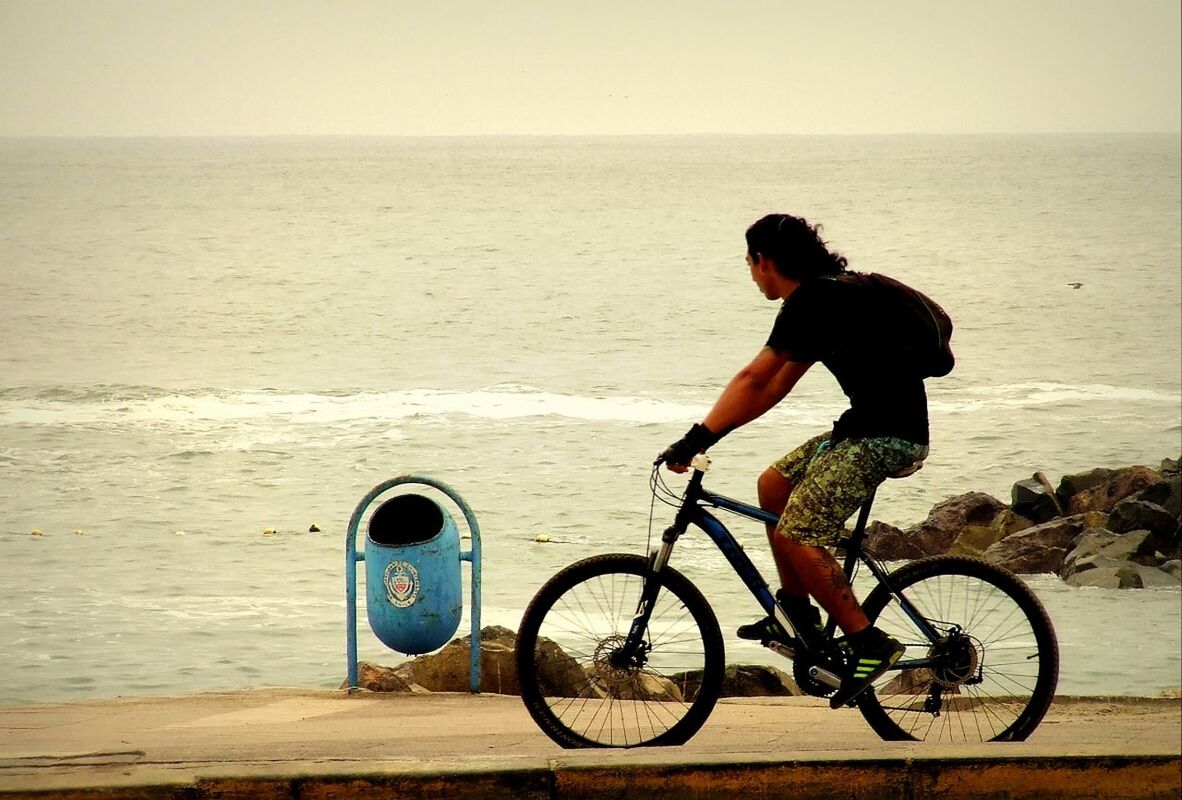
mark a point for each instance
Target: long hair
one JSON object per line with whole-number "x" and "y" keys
{"x": 795, "y": 246}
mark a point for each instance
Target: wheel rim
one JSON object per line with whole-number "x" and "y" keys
{"x": 601, "y": 696}
{"x": 980, "y": 678}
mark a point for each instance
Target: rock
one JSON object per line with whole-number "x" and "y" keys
{"x": 1135, "y": 546}
{"x": 1112, "y": 574}
{"x": 1135, "y": 514}
{"x": 634, "y": 686}
{"x": 1126, "y": 577}
{"x": 1170, "y": 466}
{"x": 742, "y": 680}
{"x": 1167, "y": 493}
{"x": 1034, "y": 498}
{"x": 1154, "y": 578}
{"x": 1096, "y": 561}
{"x": 449, "y": 669}
{"x": 559, "y": 674}
{"x": 1042, "y": 548}
{"x": 1174, "y": 568}
{"x": 1088, "y": 543}
{"x": 913, "y": 681}
{"x": 1104, "y": 496}
{"x": 1032, "y": 558}
{"x": 562, "y": 676}
{"x": 974, "y": 540}
{"x": 1116, "y": 561}
{"x": 757, "y": 680}
{"x": 889, "y": 543}
{"x": 1071, "y": 485}
{"x": 1132, "y": 514}
{"x": 376, "y": 678}
{"x": 1008, "y": 522}
{"x": 1170, "y": 545}
{"x": 935, "y": 534}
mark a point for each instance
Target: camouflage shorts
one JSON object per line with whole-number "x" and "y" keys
{"x": 831, "y": 481}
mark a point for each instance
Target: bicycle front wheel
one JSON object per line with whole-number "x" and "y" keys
{"x": 991, "y": 673}
{"x": 580, "y": 686}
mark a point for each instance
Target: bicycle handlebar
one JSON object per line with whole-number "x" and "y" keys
{"x": 701, "y": 462}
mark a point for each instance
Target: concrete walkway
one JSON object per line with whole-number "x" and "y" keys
{"x": 313, "y": 744}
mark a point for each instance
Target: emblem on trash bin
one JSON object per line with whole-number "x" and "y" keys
{"x": 402, "y": 584}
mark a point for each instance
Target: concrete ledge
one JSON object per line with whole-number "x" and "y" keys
{"x": 1115, "y": 777}
{"x": 1042, "y": 778}
{"x": 296, "y": 744}
{"x": 1096, "y": 777}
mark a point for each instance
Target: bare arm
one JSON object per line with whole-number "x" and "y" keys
{"x": 755, "y": 389}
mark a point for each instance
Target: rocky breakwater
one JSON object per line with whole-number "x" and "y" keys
{"x": 562, "y": 676}
{"x": 1111, "y": 528}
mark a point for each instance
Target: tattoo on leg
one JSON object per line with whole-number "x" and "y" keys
{"x": 834, "y": 573}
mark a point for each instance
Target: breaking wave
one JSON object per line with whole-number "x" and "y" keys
{"x": 136, "y": 405}
{"x": 132, "y": 406}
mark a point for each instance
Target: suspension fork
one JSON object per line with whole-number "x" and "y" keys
{"x": 658, "y": 559}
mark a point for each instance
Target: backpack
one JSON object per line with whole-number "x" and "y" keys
{"x": 918, "y": 325}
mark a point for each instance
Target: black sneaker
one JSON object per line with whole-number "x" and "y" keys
{"x": 803, "y": 615}
{"x": 876, "y": 654}
{"x": 766, "y": 630}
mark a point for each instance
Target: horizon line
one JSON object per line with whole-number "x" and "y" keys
{"x": 503, "y": 135}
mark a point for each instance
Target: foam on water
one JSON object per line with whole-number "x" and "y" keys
{"x": 148, "y": 407}
{"x": 1026, "y": 395}
{"x": 134, "y": 406}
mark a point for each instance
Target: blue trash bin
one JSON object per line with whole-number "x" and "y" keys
{"x": 413, "y": 591}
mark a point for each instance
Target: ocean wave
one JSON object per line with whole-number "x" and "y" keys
{"x": 1025, "y": 395}
{"x": 137, "y": 406}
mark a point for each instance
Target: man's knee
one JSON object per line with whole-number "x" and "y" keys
{"x": 774, "y": 490}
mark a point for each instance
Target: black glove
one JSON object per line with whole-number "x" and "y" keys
{"x": 697, "y": 439}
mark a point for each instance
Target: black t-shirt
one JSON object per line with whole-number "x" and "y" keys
{"x": 839, "y": 325}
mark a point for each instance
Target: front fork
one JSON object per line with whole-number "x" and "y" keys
{"x": 635, "y": 645}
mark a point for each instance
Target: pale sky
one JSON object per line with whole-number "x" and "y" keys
{"x": 391, "y": 67}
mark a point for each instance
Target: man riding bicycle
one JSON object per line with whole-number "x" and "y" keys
{"x": 815, "y": 488}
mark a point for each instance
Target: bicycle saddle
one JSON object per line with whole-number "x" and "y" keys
{"x": 908, "y": 470}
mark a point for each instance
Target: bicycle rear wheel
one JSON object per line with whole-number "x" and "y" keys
{"x": 990, "y": 676}
{"x": 575, "y": 682}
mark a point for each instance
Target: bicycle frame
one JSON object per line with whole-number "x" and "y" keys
{"x": 693, "y": 511}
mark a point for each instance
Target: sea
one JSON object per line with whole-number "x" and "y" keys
{"x": 212, "y": 349}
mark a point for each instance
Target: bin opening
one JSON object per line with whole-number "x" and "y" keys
{"x": 406, "y": 519}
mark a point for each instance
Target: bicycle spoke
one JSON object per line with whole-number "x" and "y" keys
{"x": 987, "y": 675}
{"x": 626, "y": 694}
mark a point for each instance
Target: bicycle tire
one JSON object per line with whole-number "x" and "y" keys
{"x": 994, "y": 684}
{"x": 577, "y": 697}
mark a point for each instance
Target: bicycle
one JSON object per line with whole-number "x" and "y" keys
{"x": 622, "y": 650}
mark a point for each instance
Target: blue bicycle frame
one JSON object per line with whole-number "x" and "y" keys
{"x": 693, "y": 512}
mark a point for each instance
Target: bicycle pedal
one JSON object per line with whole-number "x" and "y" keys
{"x": 824, "y": 676}
{"x": 779, "y": 648}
